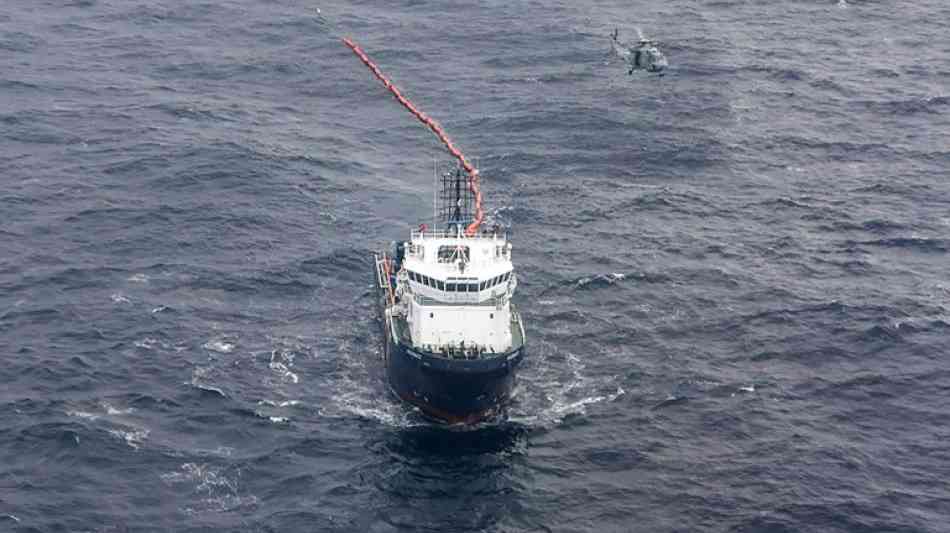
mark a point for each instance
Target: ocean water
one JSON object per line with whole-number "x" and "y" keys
{"x": 734, "y": 277}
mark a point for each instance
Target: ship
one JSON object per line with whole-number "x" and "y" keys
{"x": 452, "y": 338}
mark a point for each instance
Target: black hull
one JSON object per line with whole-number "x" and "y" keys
{"x": 453, "y": 391}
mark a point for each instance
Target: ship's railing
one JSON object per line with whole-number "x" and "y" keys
{"x": 517, "y": 329}
{"x": 457, "y": 299}
{"x": 444, "y": 234}
{"x": 401, "y": 331}
{"x": 382, "y": 276}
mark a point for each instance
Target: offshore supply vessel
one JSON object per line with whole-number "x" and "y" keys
{"x": 452, "y": 338}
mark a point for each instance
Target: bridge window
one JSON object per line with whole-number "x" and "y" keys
{"x": 450, "y": 287}
{"x": 473, "y": 287}
{"x": 440, "y": 284}
{"x": 450, "y": 254}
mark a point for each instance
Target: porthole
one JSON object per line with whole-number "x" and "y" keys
{"x": 431, "y": 315}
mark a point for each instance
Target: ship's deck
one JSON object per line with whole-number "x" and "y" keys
{"x": 401, "y": 328}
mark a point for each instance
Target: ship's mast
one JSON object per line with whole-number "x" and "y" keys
{"x": 456, "y": 202}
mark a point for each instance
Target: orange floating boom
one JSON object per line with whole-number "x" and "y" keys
{"x": 472, "y": 228}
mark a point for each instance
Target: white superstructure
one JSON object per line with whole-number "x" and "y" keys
{"x": 455, "y": 291}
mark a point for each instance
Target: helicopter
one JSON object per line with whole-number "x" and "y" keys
{"x": 644, "y": 55}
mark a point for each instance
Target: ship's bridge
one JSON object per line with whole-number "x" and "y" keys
{"x": 457, "y": 291}
{"x": 450, "y": 267}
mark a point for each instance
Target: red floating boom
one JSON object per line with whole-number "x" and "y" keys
{"x": 472, "y": 228}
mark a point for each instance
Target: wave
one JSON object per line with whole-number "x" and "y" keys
{"x": 920, "y": 244}
{"x": 555, "y": 387}
{"x": 929, "y": 105}
{"x": 212, "y": 488}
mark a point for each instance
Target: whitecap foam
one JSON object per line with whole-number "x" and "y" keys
{"x": 221, "y": 504}
{"x": 215, "y": 490}
{"x": 205, "y": 476}
{"x": 218, "y": 345}
{"x": 119, "y": 298}
{"x": 133, "y": 437}
{"x": 550, "y": 390}
{"x": 114, "y": 411}
{"x": 280, "y": 362}
{"x": 357, "y": 393}
{"x": 147, "y": 343}
{"x": 387, "y": 414}
{"x": 82, "y": 414}
{"x": 138, "y": 278}
{"x": 198, "y": 376}
{"x": 284, "y": 403}
{"x": 284, "y": 372}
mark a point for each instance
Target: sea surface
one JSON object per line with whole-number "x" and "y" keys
{"x": 735, "y": 277}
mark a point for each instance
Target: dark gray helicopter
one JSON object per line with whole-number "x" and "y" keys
{"x": 644, "y": 55}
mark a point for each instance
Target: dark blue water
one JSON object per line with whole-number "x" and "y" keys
{"x": 735, "y": 277}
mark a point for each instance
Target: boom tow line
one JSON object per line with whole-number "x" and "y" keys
{"x": 473, "y": 186}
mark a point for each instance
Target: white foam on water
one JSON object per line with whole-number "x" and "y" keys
{"x": 357, "y": 393}
{"x": 550, "y": 392}
{"x": 284, "y": 403}
{"x": 12, "y": 517}
{"x": 284, "y": 372}
{"x": 82, "y": 414}
{"x": 147, "y": 343}
{"x": 218, "y": 345}
{"x": 110, "y": 410}
{"x": 134, "y": 437}
{"x": 843, "y": 4}
{"x": 281, "y": 361}
{"x": 159, "y": 309}
{"x": 220, "y": 451}
{"x": 747, "y": 388}
{"x": 198, "y": 377}
{"x": 138, "y": 278}
{"x": 561, "y": 409}
{"x": 119, "y": 298}
{"x": 215, "y": 491}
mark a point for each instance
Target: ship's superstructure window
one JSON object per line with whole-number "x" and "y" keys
{"x": 452, "y": 253}
{"x": 459, "y": 284}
